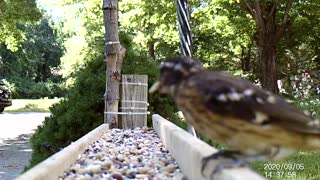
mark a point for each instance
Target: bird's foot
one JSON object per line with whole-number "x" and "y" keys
{"x": 224, "y": 154}
{"x": 235, "y": 163}
{"x": 235, "y": 160}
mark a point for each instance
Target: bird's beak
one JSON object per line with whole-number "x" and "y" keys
{"x": 155, "y": 87}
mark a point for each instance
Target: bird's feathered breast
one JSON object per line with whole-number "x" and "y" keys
{"x": 237, "y": 98}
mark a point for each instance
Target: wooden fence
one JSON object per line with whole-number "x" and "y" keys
{"x": 133, "y": 101}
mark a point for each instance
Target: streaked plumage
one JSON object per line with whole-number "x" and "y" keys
{"x": 235, "y": 112}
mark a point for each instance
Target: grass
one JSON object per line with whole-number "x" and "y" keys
{"x": 31, "y": 105}
{"x": 308, "y": 162}
{"x": 299, "y": 166}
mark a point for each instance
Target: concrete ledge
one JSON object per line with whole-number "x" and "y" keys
{"x": 189, "y": 151}
{"x": 54, "y": 166}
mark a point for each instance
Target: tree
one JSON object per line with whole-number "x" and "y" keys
{"x": 270, "y": 28}
{"x": 34, "y": 69}
{"x": 153, "y": 24}
{"x": 216, "y": 39}
{"x": 14, "y": 12}
{"x": 114, "y": 57}
{"x": 79, "y": 27}
{"x": 38, "y": 56}
{"x": 220, "y": 33}
{"x": 300, "y": 47}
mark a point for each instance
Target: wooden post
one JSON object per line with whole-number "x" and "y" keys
{"x": 134, "y": 101}
{"x": 114, "y": 57}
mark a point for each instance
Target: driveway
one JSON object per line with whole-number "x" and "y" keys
{"x": 15, "y": 132}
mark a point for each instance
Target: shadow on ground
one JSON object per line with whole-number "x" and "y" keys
{"x": 14, "y": 155}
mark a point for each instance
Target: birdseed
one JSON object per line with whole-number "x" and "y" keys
{"x": 125, "y": 154}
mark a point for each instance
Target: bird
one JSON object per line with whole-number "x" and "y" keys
{"x": 254, "y": 123}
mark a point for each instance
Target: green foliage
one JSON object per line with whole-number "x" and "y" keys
{"x": 220, "y": 32}
{"x": 137, "y": 62}
{"x": 39, "y": 56}
{"x": 80, "y": 27}
{"x": 153, "y": 23}
{"x": 33, "y": 70}
{"x": 14, "y": 12}
{"x": 310, "y": 104}
{"x": 82, "y": 109}
{"x": 299, "y": 49}
{"x": 80, "y": 112}
{"x": 25, "y": 88}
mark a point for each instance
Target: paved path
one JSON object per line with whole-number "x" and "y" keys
{"x": 15, "y": 132}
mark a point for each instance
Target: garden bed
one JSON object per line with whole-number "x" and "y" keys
{"x": 162, "y": 152}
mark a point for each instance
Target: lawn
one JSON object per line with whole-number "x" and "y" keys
{"x": 31, "y": 105}
{"x": 299, "y": 166}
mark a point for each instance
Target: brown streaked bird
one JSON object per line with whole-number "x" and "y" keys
{"x": 254, "y": 123}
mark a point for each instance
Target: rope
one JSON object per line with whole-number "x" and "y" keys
{"x": 134, "y": 101}
{"x": 132, "y": 108}
{"x": 185, "y": 38}
{"x": 184, "y": 27}
{"x": 137, "y": 84}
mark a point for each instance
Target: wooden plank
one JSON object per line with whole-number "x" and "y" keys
{"x": 125, "y": 94}
{"x": 189, "y": 151}
{"x": 132, "y": 91}
{"x": 54, "y": 166}
{"x": 141, "y": 94}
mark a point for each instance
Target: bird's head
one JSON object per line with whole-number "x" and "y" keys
{"x": 174, "y": 71}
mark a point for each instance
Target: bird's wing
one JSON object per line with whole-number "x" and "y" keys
{"x": 238, "y": 98}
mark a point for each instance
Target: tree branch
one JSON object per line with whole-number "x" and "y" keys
{"x": 120, "y": 57}
{"x": 286, "y": 14}
{"x": 258, "y": 16}
{"x": 285, "y": 22}
{"x": 275, "y": 4}
{"x": 249, "y": 8}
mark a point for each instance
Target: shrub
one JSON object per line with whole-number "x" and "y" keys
{"x": 27, "y": 89}
{"x": 82, "y": 109}
{"x": 80, "y": 112}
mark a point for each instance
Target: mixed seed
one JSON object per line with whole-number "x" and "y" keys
{"x": 125, "y": 154}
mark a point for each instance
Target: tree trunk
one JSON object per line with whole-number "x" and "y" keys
{"x": 151, "y": 50}
{"x": 266, "y": 42}
{"x": 268, "y": 69}
{"x": 114, "y": 58}
{"x": 268, "y": 34}
{"x": 246, "y": 58}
